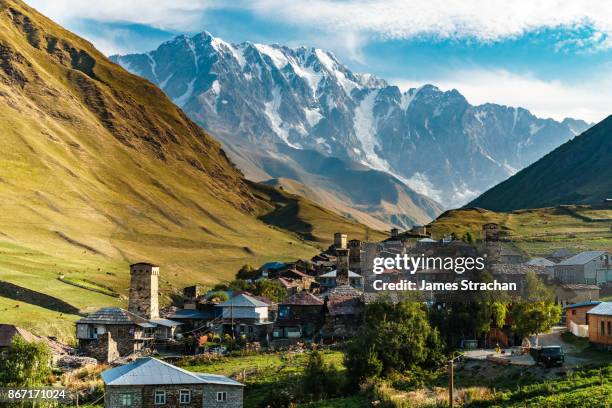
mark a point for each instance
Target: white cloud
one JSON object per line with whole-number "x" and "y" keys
{"x": 180, "y": 15}
{"x": 589, "y": 101}
{"x": 486, "y": 20}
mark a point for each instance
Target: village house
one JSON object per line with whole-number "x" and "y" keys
{"x": 112, "y": 332}
{"x": 344, "y": 309}
{"x": 577, "y": 319}
{"x": 600, "y": 325}
{"x": 303, "y": 279}
{"x": 299, "y": 316}
{"x": 149, "y": 382}
{"x": 245, "y": 315}
{"x": 490, "y": 232}
{"x": 591, "y": 267}
{"x": 547, "y": 265}
{"x": 571, "y": 293}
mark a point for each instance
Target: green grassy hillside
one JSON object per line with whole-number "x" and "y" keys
{"x": 577, "y": 172}
{"x": 537, "y": 231}
{"x": 100, "y": 169}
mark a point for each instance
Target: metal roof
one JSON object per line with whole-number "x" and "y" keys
{"x": 581, "y": 304}
{"x": 243, "y": 301}
{"x": 602, "y": 309}
{"x": 192, "y": 314}
{"x": 540, "y": 262}
{"x": 332, "y": 274}
{"x": 151, "y": 371}
{"x": 166, "y": 322}
{"x": 582, "y": 258}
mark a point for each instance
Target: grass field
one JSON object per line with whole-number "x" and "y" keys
{"x": 538, "y": 231}
{"x": 266, "y": 372}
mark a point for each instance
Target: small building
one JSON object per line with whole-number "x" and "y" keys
{"x": 577, "y": 319}
{"x": 344, "y": 309}
{"x": 571, "y": 293}
{"x": 546, "y": 264}
{"x": 328, "y": 280}
{"x": 112, "y": 332}
{"x": 8, "y": 332}
{"x": 600, "y": 325}
{"x": 149, "y": 382}
{"x": 299, "y": 316}
{"x": 245, "y": 315}
{"x": 591, "y": 267}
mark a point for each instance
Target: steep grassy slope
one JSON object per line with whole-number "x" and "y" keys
{"x": 578, "y": 172}
{"x": 538, "y": 231}
{"x": 306, "y": 218}
{"x": 99, "y": 169}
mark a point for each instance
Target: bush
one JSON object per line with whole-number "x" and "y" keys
{"x": 278, "y": 399}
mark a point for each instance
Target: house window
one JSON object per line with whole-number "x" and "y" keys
{"x": 126, "y": 400}
{"x": 573, "y": 311}
{"x": 160, "y": 397}
{"x": 185, "y": 397}
{"x": 222, "y": 396}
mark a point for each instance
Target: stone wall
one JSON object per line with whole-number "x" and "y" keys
{"x": 202, "y": 395}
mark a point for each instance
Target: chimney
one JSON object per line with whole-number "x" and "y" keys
{"x": 340, "y": 240}
{"x": 342, "y": 266}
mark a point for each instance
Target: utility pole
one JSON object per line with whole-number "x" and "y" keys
{"x": 451, "y": 385}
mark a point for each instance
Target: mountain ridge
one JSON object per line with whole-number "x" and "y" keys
{"x": 260, "y": 95}
{"x": 577, "y": 172}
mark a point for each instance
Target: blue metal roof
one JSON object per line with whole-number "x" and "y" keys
{"x": 602, "y": 309}
{"x": 151, "y": 371}
{"x": 587, "y": 303}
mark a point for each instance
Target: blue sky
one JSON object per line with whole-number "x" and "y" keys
{"x": 552, "y": 57}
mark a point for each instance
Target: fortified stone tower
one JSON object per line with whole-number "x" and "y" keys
{"x": 144, "y": 290}
{"x": 355, "y": 255}
{"x": 340, "y": 240}
{"x": 342, "y": 266}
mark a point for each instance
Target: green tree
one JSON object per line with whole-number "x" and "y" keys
{"x": 218, "y": 296}
{"x": 25, "y": 364}
{"x": 536, "y": 312}
{"x": 247, "y": 272}
{"x": 394, "y": 337}
{"x": 273, "y": 290}
{"x": 320, "y": 380}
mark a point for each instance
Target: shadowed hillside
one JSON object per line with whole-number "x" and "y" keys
{"x": 578, "y": 172}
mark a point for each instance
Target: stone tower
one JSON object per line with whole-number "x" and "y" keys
{"x": 144, "y": 290}
{"x": 355, "y": 255}
{"x": 342, "y": 266}
{"x": 340, "y": 240}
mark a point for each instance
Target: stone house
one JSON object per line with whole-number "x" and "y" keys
{"x": 8, "y": 332}
{"x": 570, "y": 293}
{"x": 590, "y": 267}
{"x": 328, "y": 280}
{"x": 112, "y": 332}
{"x": 344, "y": 307}
{"x": 299, "y": 316}
{"x": 149, "y": 382}
{"x": 600, "y": 325}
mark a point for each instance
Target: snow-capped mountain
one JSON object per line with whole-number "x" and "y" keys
{"x": 254, "y": 96}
